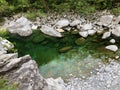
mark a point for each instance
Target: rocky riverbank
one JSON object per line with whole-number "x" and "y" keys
{"x": 24, "y": 71}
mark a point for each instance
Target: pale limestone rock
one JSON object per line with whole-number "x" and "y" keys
{"x": 112, "y": 41}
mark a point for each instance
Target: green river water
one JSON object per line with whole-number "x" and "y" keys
{"x": 62, "y": 56}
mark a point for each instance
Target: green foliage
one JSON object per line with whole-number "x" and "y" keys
{"x": 8, "y": 7}
{"x": 116, "y": 10}
{"x": 5, "y": 85}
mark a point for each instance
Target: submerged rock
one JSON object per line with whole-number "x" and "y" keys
{"x": 21, "y": 26}
{"x": 62, "y": 23}
{"x": 65, "y": 49}
{"x": 80, "y": 41}
{"x": 113, "y": 48}
{"x": 50, "y": 31}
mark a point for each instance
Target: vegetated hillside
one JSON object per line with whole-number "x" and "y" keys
{"x": 8, "y": 7}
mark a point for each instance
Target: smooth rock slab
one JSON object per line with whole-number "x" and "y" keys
{"x": 113, "y": 48}
{"x": 50, "y": 31}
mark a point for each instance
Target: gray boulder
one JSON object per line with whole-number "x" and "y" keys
{"x": 21, "y": 26}
{"x": 106, "y": 20}
{"x": 50, "y": 31}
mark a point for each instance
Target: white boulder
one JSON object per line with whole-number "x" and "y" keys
{"x": 112, "y": 41}
{"x": 113, "y": 48}
{"x": 21, "y": 26}
{"x": 50, "y": 31}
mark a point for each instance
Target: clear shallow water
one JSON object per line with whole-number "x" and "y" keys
{"x": 73, "y": 63}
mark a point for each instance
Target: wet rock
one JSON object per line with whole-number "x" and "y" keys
{"x": 83, "y": 33}
{"x": 106, "y": 35}
{"x": 113, "y": 48}
{"x": 75, "y": 23}
{"x": 50, "y": 31}
{"x": 80, "y": 41}
{"x": 112, "y": 41}
{"x": 62, "y": 23}
{"x": 65, "y": 49}
{"x": 91, "y": 32}
{"x": 106, "y": 20}
{"x": 21, "y": 26}
{"x": 116, "y": 31}
{"x": 87, "y": 26}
